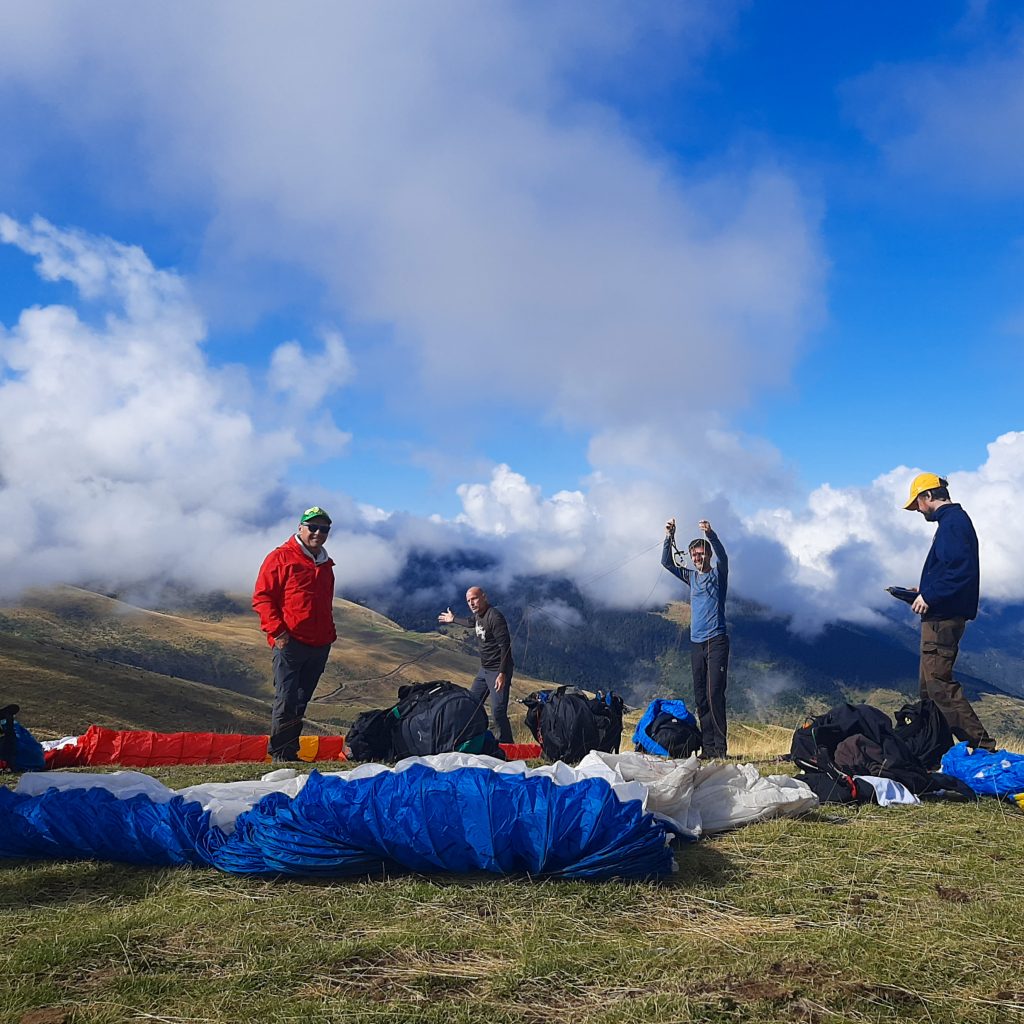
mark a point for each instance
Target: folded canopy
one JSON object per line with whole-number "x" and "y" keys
{"x": 145, "y": 749}
{"x": 420, "y": 819}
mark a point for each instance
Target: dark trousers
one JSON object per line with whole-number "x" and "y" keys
{"x": 484, "y": 685}
{"x": 710, "y": 664}
{"x": 940, "y": 644}
{"x": 297, "y": 670}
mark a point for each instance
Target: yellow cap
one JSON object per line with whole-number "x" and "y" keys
{"x": 923, "y": 482}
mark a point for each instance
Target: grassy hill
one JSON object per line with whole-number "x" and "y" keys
{"x": 71, "y": 658}
{"x": 63, "y": 692}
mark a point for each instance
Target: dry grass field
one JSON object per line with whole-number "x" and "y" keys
{"x": 862, "y": 915}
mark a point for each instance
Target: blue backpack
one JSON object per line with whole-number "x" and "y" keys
{"x": 20, "y": 751}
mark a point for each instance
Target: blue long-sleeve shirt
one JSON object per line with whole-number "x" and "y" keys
{"x": 707, "y": 591}
{"x": 950, "y": 579}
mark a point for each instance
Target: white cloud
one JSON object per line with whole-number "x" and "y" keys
{"x": 557, "y": 614}
{"x": 309, "y": 379}
{"x": 829, "y": 561}
{"x": 509, "y": 505}
{"x": 124, "y": 456}
{"x": 442, "y": 171}
{"x": 850, "y": 543}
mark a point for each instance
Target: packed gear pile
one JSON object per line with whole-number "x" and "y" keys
{"x": 569, "y": 722}
{"x": 854, "y": 742}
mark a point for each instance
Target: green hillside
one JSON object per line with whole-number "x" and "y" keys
{"x": 70, "y": 658}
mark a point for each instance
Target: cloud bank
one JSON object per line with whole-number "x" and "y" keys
{"x": 455, "y": 184}
{"x": 127, "y": 457}
{"x": 482, "y": 201}
{"x": 124, "y": 454}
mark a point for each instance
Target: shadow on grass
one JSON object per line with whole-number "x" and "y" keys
{"x": 701, "y": 862}
{"x": 45, "y": 883}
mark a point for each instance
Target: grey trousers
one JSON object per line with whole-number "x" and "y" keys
{"x": 297, "y": 670}
{"x": 484, "y": 685}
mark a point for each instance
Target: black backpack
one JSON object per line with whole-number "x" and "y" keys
{"x": 569, "y": 722}
{"x": 923, "y": 728}
{"x": 438, "y": 717}
{"x": 679, "y": 736}
{"x": 370, "y": 737}
{"x": 815, "y": 742}
{"x": 608, "y": 708}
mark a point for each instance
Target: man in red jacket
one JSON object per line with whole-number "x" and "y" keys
{"x": 294, "y": 598}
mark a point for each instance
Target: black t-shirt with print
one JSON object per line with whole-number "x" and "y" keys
{"x": 495, "y": 642}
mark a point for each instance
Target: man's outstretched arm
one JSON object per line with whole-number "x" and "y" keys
{"x": 666, "y": 554}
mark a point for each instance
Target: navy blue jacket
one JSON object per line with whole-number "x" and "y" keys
{"x": 951, "y": 573}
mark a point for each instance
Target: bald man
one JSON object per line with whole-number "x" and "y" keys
{"x": 495, "y": 675}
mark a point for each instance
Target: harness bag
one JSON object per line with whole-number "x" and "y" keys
{"x": 680, "y": 737}
{"x": 439, "y": 717}
{"x": 814, "y": 743}
{"x": 609, "y": 720}
{"x": 569, "y": 722}
{"x": 923, "y": 728}
{"x": 667, "y": 728}
{"x": 371, "y": 736}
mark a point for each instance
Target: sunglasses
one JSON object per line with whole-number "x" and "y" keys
{"x": 316, "y": 528}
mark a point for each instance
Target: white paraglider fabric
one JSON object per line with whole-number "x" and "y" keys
{"x": 691, "y": 797}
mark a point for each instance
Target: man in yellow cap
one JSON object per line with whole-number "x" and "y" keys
{"x": 947, "y": 597}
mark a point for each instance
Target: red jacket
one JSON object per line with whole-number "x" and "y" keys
{"x": 294, "y": 594}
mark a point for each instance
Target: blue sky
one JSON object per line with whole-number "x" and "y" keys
{"x": 694, "y": 258}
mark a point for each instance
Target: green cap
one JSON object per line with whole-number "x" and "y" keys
{"x": 316, "y": 512}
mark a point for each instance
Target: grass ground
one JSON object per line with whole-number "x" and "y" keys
{"x": 859, "y": 915}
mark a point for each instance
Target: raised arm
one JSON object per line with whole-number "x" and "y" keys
{"x": 666, "y": 554}
{"x": 717, "y": 546}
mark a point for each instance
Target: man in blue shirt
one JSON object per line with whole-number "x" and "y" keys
{"x": 709, "y": 639}
{"x": 947, "y": 597}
